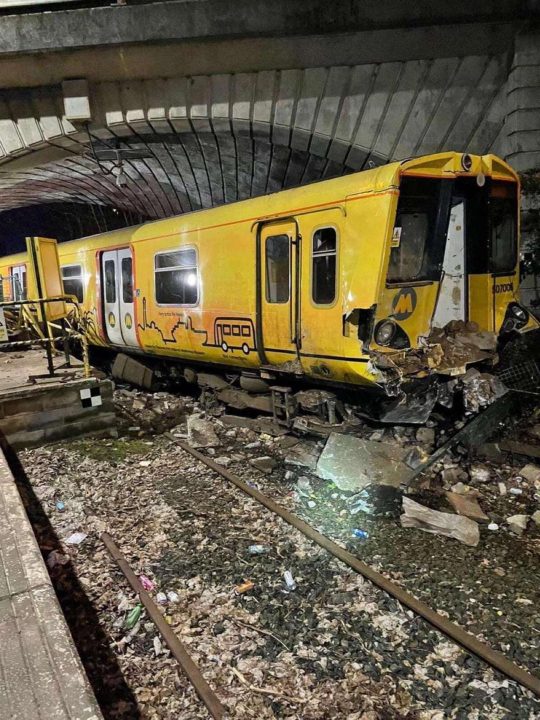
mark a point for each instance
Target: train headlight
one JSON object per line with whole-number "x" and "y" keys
{"x": 519, "y": 313}
{"x": 384, "y": 332}
{"x": 466, "y": 162}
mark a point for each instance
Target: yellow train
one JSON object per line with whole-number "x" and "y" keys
{"x": 342, "y": 281}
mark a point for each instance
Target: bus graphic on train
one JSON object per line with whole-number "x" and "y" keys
{"x": 233, "y": 333}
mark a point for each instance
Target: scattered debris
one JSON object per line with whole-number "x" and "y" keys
{"x": 257, "y": 549}
{"x": 303, "y": 454}
{"x": 518, "y": 523}
{"x": 362, "y": 534}
{"x": 532, "y": 474}
{"x": 376, "y": 500}
{"x": 467, "y": 506}
{"x": 201, "y": 433}
{"x": 76, "y": 538}
{"x": 133, "y": 617}
{"x": 439, "y": 523}
{"x": 289, "y": 580}
{"x": 146, "y": 583}
{"x": 265, "y": 464}
{"x": 244, "y": 587}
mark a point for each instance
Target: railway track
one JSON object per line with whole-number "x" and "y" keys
{"x": 215, "y": 523}
{"x": 492, "y": 657}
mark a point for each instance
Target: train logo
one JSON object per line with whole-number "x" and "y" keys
{"x": 234, "y": 334}
{"x": 404, "y": 303}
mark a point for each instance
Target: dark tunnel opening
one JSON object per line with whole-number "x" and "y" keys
{"x": 62, "y": 221}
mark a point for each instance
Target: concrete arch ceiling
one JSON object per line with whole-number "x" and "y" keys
{"x": 220, "y": 138}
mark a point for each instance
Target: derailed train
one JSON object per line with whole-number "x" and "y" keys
{"x": 341, "y": 282}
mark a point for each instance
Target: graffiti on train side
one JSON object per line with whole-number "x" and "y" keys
{"x": 229, "y": 333}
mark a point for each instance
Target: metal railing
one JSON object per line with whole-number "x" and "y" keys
{"x": 22, "y": 317}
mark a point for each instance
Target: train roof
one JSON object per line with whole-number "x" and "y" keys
{"x": 290, "y": 201}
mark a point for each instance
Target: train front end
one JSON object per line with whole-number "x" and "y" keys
{"x": 450, "y": 297}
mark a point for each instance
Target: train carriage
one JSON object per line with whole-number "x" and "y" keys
{"x": 341, "y": 281}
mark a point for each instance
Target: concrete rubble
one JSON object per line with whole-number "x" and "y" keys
{"x": 439, "y": 523}
{"x": 191, "y": 535}
{"x": 353, "y": 463}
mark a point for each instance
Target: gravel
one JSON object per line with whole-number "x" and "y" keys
{"x": 335, "y": 646}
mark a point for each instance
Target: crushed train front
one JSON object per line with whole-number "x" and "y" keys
{"x": 450, "y": 297}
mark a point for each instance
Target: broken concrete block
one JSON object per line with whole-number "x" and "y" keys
{"x": 518, "y": 523}
{"x": 265, "y": 464}
{"x": 467, "y": 506}
{"x": 453, "y": 475}
{"x": 531, "y": 473}
{"x": 132, "y": 371}
{"x": 352, "y": 463}
{"x": 461, "y": 489}
{"x": 303, "y": 454}
{"x": 425, "y": 435}
{"x": 440, "y": 523}
{"x": 201, "y": 432}
{"x": 480, "y": 473}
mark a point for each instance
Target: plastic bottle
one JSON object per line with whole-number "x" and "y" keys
{"x": 362, "y": 534}
{"x": 257, "y": 549}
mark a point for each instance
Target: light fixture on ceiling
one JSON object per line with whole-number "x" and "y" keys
{"x": 104, "y": 153}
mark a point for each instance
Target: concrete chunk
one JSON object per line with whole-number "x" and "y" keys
{"x": 439, "y": 523}
{"x": 352, "y": 463}
{"x": 201, "y": 432}
{"x": 467, "y": 506}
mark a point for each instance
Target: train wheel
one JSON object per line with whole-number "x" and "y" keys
{"x": 245, "y": 349}
{"x": 224, "y": 346}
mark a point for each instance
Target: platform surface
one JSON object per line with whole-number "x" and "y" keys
{"x": 41, "y": 675}
{"x": 17, "y": 367}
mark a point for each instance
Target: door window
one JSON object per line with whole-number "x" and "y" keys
{"x": 110, "y": 281}
{"x": 324, "y": 257}
{"x": 177, "y": 277}
{"x": 278, "y": 268}
{"x": 502, "y": 210}
{"x": 127, "y": 280}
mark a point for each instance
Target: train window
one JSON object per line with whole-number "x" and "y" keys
{"x": 417, "y": 239}
{"x": 408, "y": 245}
{"x": 72, "y": 280}
{"x": 127, "y": 280}
{"x": 176, "y": 277}
{"x": 110, "y": 281}
{"x": 323, "y": 290}
{"x": 278, "y": 268}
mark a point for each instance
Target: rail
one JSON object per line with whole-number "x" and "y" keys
{"x": 492, "y": 657}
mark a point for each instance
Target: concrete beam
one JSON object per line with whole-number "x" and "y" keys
{"x": 213, "y": 19}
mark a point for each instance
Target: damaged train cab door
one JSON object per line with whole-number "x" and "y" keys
{"x": 451, "y": 302}
{"x": 117, "y": 296}
{"x": 277, "y": 292}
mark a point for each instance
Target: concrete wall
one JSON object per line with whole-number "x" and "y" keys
{"x": 42, "y": 414}
{"x": 523, "y": 102}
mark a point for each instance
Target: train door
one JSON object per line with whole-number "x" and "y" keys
{"x": 277, "y": 320}
{"x": 118, "y": 299}
{"x": 451, "y": 303}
